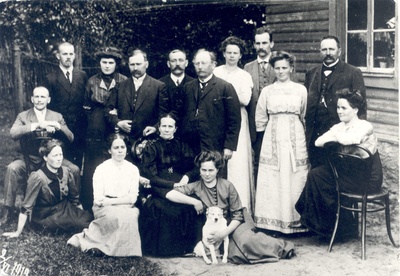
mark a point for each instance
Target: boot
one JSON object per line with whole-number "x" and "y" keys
{"x": 5, "y": 216}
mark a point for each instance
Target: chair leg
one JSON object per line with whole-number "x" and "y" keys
{"x": 363, "y": 227}
{"x": 387, "y": 216}
{"x": 335, "y": 229}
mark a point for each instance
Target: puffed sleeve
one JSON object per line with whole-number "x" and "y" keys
{"x": 245, "y": 89}
{"x": 262, "y": 111}
{"x": 235, "y": 205}
{"x": 32, "y": 192}
{"x": 73, "y": 194}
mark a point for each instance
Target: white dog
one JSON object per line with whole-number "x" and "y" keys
{"x": 215, "y": 223}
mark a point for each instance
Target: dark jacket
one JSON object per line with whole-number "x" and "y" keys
{"x": 144, "y": 112}
{"x": 171, "y": 99}
{"x": 344, "y": 76}
{"x": 214, "y": 118}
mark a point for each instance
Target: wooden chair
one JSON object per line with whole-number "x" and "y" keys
{"x": 359, "y": 168}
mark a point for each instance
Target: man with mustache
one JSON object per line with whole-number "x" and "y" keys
{"x": 67, "y": 88}
{"x": 171, "y": 100}
{"x": 134, "y": 106}
{"x": 322, "y": 82}
{"x": 262, "y": 74}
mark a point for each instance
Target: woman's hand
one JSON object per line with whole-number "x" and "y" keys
{"x": 11, "y": 234}
{"x": 99, "y": 202}
{"x": 198, "y": 206}
{"x": 145, "y": 182}
{"x": 216, "y": 237}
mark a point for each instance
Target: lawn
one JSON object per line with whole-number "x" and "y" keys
{"x": 39, "y": 253}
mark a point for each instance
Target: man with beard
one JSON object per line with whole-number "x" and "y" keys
{"x": 262, "y": 74}
{"x": 171, "y": 99}
{"x": 67, "y": 88}
{"x": 322, "y": 82}
{"x": 133, "y": 106}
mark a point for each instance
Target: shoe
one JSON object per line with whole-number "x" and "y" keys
{"x": 94, "y": 252}
{"x": 5, "y": 216}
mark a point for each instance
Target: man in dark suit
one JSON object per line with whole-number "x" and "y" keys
{"x": 133, "y": 106}
{"x": 171, "y": 99}
{"x": 28, "y": 127}
{"x": 211, "y": 110}
{"x": 67, "y": 87}
{"x": 322, "y": 82}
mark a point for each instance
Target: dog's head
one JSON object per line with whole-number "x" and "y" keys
{"x": 214, "y": 214}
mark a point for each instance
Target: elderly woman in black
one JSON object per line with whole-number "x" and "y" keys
{"x": 52, "y": 199}
{"x": 166, "y": 227}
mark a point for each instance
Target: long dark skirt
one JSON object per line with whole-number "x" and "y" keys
{"x": 251, "y": 247}
{"x": 167, "y": 228}
{"x": 64, "y": 217}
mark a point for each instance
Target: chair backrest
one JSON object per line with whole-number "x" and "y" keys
{"x": 352, "y": 167}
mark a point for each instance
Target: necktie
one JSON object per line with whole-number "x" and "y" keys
{"x": 177, "y": 82}
{"x": 68, "y": 78}
{"x": 263, "y": 66}
{"x": 203, "y": 86}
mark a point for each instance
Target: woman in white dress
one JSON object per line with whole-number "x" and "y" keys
{"x": 240, "y": 166}
{"x": 283, "y": 164}
{"x": 114, "y": 232}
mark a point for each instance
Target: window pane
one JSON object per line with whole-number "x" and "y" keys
{"x": 384, "y": 13}
{"x": 357, "y": 49}
{"x": 357, "y": 14}
{"x": 384, "y": 49}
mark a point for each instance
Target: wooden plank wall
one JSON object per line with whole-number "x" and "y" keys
{"x": 298, "y": 29}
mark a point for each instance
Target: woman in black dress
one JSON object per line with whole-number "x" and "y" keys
{"x": 167, "y": 228}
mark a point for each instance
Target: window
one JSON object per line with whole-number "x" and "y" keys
{"x": 371, "y": 34}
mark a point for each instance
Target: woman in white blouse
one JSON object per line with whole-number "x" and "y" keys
{"x": 114, "y": 232}
{"x": 318, "y": 201}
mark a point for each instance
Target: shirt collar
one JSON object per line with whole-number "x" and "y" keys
{"x": 331, "y": 65}
{"x": 43, "y": 112}
{"x": 206, "y": 79}
{"x": 175, "y": 78}
{"x": 139, "y": 79}
{"x": 266, "y": 59}
{"x": 67, "y": 70}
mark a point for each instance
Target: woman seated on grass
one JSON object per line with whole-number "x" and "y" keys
{"x": 245, "y": 245}
{"x": 114, "y": 231}
{"x": 52, "y": 198}
{"x": 317, "y": 204}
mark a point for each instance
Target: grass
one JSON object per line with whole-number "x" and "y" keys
{"x": 46, "y": 253}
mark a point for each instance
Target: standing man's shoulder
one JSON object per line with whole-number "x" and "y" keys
{"x": 165, "y": 79}
{"x": 249, "y": 65}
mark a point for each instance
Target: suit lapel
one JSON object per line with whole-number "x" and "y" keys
{"x": 32, "y": 116}
{"x": 256, "y": 76}
{"x": 208, "y": 87}
{"x": 319, "y": 76}
{"x": 336, "y": 74}
{"x": 144, "y": 88}
{"x": 129, "y": 92}
{"x": 63, "y": 80}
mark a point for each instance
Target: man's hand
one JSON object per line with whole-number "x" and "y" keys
{"x": 149, "y": 130}
{"x": 125, "y": 125}
{"x": 227, "y": 154}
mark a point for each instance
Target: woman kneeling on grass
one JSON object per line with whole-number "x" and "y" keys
{"x": 245, "y": 244}
{"x": 114, "y": 231}
{"x": 52, "y": 198}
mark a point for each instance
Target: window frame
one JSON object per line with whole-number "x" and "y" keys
{"x": 370, "y": 31}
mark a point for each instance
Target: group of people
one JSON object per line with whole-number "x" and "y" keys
{"x": 154, "y": 154}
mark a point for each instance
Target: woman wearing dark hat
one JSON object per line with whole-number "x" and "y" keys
{"x": 98, "y": 90}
